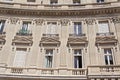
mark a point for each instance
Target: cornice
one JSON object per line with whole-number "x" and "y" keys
{"x": 61, "y": 13}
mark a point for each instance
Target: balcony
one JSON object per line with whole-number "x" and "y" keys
{"x": 38, "y": 73}
{"x": 50, "y": 40}
{"x": 23, "y": 37}
{"x": 24, "y": 33}
{"x": 106, "y": 38}
{"x": 75, "y": 39}
{"x": 106, "y": 70}
{"x": 2, "y": 38}
{"x": 110, "y": 34}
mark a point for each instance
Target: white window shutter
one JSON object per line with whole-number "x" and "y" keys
{"x": 53, "y": 29}
{"x": 20, "y": 58}
{"x": 48, "y": 30}
{"x": 1, "y": 25}
{"x": 103, "y": 28}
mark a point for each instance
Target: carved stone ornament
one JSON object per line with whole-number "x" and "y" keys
{"x": 13, "y": 20}
{"x": 90, "y": 21}
{"x": 116, "y": 20}
{"x": 64, "y": 22}
{"x": 39, "y": 21}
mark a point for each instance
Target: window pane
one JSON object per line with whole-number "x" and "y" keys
{"x": 77, "y": 61}
{"x": 103, "y": 27}
{"x": 107, "y": 51}
{"x": 106, "y": 60}
{"x": 51, "y": 28}
{"x": 77, "y": 28}
{"x": 48, "y": 61}
{"x": 111, "y": 59}
{"x": 77, "y": 51}
{"x": 2, "y": 23}
{"x": 20, "y": 58}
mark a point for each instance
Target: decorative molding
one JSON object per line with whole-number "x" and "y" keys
{"x": 64, "y": 22}
{"x": 90, "y": 21}
{"x": 14, "y": 20}
{"x": 39, "y": 21}
{"x": 22, "y": 40}
{"x": 116, "y": 19}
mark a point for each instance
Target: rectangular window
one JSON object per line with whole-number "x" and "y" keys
{"x": 76, "y": 1}
{"x": 108, "y": 56}
{"x": 30, "y": 0}
{"x": 8, "y": 0}
{"x": 103, "y": 27}
{"x": 100, "y": 1}
{"x": 51, "y": 28}
{"x": 49, "y": 58}
{"x": 77, "y": 58}
{"x": 20, "y": 58}
{"x": 25, "y": 28}
{"x": 2, "y": 24}
{"x": 77, "y": 28}
{"x": 53, "y": 1}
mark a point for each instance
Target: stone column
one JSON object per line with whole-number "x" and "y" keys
{"x": 6, "y": 51}
{"x": 91, "y": 39}
{"x": 63, "y": 38}
{"x": 63, "y": 48}
{"x": 116, "y": 21}
{"x": 37, "y": 34}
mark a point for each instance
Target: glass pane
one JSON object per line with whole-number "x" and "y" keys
{"x": 107, "y": 51}
{"x": 48, "y": 61}
{"x": 77, "y": 28}
{"x": 110, "y": 59}
{"x": 77, "y": 51}
{"x": 77, "y": 61}
{"x": 50, "y": 51}
{"x": 106, "y": 60}
{"x": 2, "y": 23}
{"x": 103, "y": 27}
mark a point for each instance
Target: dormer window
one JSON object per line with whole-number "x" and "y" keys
{"x": 53, "y": 1}
{"x": 76, "y": 1}
{"x": 100, "y": 1}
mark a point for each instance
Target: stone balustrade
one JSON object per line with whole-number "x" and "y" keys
{"x": 39, "y": 71}
{"x": 58, "y": 6}
{"x": 104, "y": 70}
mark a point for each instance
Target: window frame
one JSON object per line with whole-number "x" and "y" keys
{"x": 108, "y": 55}
{"x": 50, "y": 55}
{"x": 77, "y": 56}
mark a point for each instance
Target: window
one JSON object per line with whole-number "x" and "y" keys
{"x": 103, "y": 27}
{"x": 25, "y": 28}
{"x": 30, "y": 0}
{"x": 8, "y": 0}
{"x": 78, "y": 58}
{"x": 99, "y": 1}
{"x": 49, "y": 58}
{"x": 76, "y": 1}
{"x": 20, "y": 58}
{"x": 77, "y": 28}
{"x": 51, "y": 28}
{"x": 53, "y": 1}
{"x": 108, "y": 56}
{"x": 2, "y": 24}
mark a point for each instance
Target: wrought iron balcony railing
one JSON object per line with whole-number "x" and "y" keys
{"x": 24, "y": 33}
{"x": 50, "y": 35}
{"x": 105, "y": 34}
{"x": 77, "y": 35}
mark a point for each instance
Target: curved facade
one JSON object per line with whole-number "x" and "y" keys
{"x": 59, "y": 39}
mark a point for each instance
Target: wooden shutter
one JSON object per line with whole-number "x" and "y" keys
{"x": 20, "y": 58}
{"x": 103, "y": 27}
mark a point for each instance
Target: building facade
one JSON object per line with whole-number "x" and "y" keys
{"x": 59, "y": 39}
